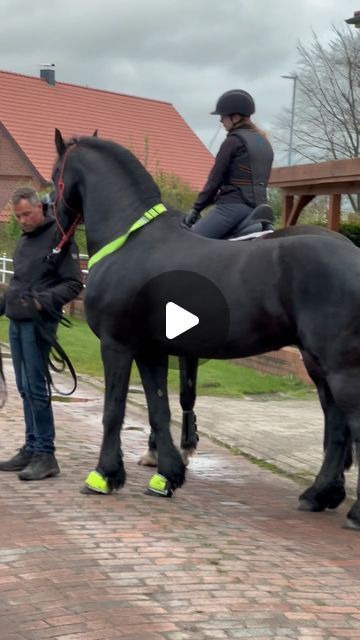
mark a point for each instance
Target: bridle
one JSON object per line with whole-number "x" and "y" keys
{"x": 65, "y": 235}
{"x": 114, "y": 245}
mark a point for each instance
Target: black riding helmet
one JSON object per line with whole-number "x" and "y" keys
{"x": 235, "y": 101}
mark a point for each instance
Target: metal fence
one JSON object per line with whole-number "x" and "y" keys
{"x": 6, "y": 268}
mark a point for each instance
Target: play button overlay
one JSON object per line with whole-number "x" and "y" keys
{"x": 180, "y": 313}
{"x": 178, "y": 320}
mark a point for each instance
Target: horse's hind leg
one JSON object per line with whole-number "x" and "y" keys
{"x": 353, "y": 516}
{"x": 328, "y": 490}
{"x": 345, "y": 387}
{"x": 189, "y": 435}
{"x": 153, "y": 371}
{"x": 110, "y": 472}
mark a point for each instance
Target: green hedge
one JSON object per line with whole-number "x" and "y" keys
{"x": 352, "y": 231}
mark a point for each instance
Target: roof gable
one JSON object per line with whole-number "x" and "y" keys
{"x": 30, "y": 109}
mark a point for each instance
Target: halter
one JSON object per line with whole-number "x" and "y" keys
{"x": 65, "y": 235}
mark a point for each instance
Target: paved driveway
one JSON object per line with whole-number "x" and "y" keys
{"x": 228, "y": 557}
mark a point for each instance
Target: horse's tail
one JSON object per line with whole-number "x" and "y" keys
{"x": 3, "y": 388}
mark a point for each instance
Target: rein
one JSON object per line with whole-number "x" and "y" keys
{"x": 65, "y": 235}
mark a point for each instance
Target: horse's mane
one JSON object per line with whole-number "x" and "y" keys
{"x": 129, "y": 163}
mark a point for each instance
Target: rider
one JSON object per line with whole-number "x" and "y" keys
{"x": 238, "y": 180}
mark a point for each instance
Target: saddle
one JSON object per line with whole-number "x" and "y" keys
{"x": 259, "y": 223}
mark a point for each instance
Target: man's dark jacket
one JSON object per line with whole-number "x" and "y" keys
{"x": 53, "y": 282}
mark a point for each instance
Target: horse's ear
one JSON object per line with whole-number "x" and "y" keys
{"x": 95, "y": 134}
{"x": 59, "y": 142}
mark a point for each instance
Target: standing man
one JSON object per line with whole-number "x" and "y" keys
{"x": 37, "y": 292}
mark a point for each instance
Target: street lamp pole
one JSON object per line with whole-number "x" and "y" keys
{"x": 292, "y": 77}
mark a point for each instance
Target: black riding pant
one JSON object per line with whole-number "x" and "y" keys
{"x": 222, "y": 220}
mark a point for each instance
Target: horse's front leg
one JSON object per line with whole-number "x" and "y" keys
{"x": 153, "y": 372}
{"x": 189, "y": 434}
{"x": 150, "y": 457}
{"x": 110, "y": 472}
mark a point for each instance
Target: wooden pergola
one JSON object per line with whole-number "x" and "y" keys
{"x": 301, "y": 183}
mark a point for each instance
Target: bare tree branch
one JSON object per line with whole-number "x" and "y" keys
{"x": 327, "y": 113}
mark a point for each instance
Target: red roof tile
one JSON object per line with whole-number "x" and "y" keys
{"x": 30, "y": 109}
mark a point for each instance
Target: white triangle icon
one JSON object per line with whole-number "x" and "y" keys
{"x": 178, "y": 320}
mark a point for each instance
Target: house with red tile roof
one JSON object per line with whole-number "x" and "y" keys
{"x": 32, "y": 107}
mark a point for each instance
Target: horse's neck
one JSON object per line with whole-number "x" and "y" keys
{"x": 108, "y": 215}
{"x": 114, "y": 195}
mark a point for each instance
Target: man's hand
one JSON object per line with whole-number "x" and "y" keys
{"x": 191, "y": 218}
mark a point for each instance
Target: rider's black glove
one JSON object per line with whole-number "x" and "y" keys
{"x": 191, "y": 218}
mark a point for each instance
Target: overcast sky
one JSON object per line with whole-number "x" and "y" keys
{"x": 186, "y": 52}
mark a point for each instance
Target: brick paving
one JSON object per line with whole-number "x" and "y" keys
{"x": 228, "y": 557}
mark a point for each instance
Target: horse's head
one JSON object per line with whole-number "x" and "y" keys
{"x": 68, "y": 200}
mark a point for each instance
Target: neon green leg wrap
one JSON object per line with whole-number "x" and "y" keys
{"x": 96, "y": 482}
{"x": 160, "y": 486}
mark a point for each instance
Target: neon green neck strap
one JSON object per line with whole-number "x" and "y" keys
{"x": 116, "y": 244}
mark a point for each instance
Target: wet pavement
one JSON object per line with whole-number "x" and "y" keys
{"x": 228, "y": 557}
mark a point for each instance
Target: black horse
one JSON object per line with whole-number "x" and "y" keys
{"x": 302, "y": 290}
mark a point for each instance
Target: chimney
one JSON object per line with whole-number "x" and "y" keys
{"x": 47, "y": 73}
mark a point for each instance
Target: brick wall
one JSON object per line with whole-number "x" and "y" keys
{"x": 287, "y": 361}
{"x": 14, "y": 170}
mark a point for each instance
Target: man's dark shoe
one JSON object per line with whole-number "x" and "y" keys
{"x": 42, "y": 465}
{"x": 18, "y": 462}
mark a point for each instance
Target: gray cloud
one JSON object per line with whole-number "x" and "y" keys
{"x": 183, "y": 51}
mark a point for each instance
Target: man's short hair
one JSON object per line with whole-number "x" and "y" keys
{"x": 25, "y": 193}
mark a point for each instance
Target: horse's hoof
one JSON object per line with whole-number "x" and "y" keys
{"x": 149, "y": 459}
{"x": 336, "y": 497}
{"x": 87, "y": 491}
{"x": 316, "y": 500}
{"x": 187, "y": 454}
{"x": 352, "y": 524}
{"x": 159, "y": 486}
{"x": 353, "y": 517}
{"x": 305, "y": 505}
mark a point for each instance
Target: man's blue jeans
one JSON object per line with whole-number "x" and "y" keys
{"x": 29, "y": 355}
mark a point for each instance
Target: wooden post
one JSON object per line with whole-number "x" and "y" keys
{"x": 298, "y": 207}
{"x": 287, "y": 205}
{"x": 334, "y": 212}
